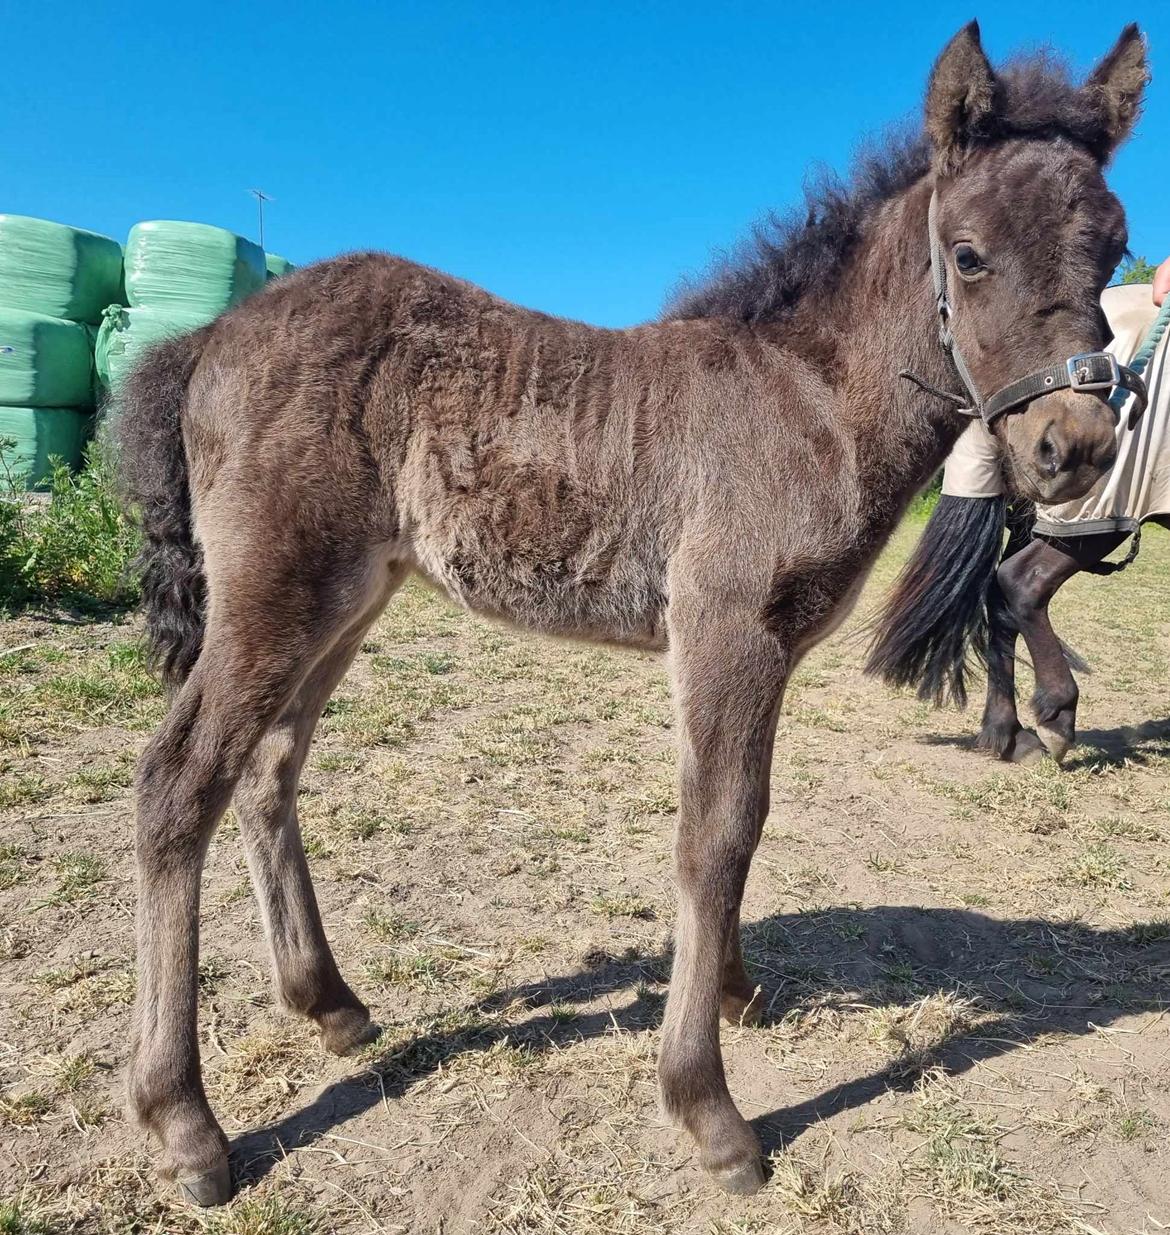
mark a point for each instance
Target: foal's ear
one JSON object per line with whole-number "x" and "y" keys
{"x": 1118, "y": 83}
{"x": 961, "y": 95}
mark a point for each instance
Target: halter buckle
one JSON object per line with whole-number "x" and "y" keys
{"x": 1093, "y": 371}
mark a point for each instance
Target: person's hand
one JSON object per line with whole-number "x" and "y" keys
{"x": 1162, "y": 281}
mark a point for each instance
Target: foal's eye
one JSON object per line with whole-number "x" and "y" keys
{"x": 969, "y": 262}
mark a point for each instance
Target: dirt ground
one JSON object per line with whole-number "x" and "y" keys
{"x": 964, "y": 964}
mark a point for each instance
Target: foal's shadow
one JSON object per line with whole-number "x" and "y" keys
{"x": 1033, "y": 976}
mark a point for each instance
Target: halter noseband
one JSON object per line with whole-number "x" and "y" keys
{"x": 1086, "y": 371}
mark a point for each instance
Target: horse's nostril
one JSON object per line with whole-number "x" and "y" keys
{"x": 1048, "y": 455}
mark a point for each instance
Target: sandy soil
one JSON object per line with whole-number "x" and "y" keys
{"x": 964, "y": 964}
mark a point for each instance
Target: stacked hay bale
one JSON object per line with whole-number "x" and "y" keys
{"x": 179, "y": 276}
{"x": 55, "y": 281}
{"x": 277, "y": 265}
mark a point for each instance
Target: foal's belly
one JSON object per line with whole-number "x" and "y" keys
{"x": 545, "y": 559}
{"x": 562, "y": 597}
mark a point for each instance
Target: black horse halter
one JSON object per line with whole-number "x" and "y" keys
{"x": 1086, "y": 371}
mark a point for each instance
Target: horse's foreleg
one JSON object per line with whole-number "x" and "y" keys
{"x": 1001, "y": 733}
{"x": 1029, "y": 581}
{"x": 729, "y": 678}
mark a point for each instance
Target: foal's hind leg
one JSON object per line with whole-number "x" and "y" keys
{"x": 730, "y": 675}
{"x": 307, "y": 978}
{"x": 185, "y": 779}
{"x": 264, "y": 636}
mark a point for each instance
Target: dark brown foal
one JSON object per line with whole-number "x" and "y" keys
{"x": 714, "y": 485}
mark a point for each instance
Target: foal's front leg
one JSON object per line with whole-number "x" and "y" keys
{"x": 729, "y": 678}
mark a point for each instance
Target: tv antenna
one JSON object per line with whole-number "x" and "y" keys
{"x": 261, "y": 197}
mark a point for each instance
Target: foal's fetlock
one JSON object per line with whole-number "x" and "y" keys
{"x": 346, "y": 1029}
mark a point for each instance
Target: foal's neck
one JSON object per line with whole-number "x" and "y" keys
{"x": 881, "y": 319}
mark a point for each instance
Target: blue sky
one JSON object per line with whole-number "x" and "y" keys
{"x": 575, "y": 157}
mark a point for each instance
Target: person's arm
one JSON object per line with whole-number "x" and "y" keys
{"x": 1162, "y": 281}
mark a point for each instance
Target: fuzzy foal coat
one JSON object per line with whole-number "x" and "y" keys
{"x": 715, "y": 484}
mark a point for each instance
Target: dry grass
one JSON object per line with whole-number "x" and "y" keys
{"x": 962, "y": 966}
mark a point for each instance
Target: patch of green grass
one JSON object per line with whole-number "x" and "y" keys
{"x": 18, "y": 1218}
{"x": 1143, "y": 934}
{"x": 72, "y": 1072}
{"x": 101, "y": 782}
{"x": 622, "y": 905}
{"x": 29, "y": 1108}
{"x": 338, "y": 761}
{"x": 418, "y": 970}
{"x": 1098, "y": 866}
{"x": 22, "y": 789}
{"x": 270, "y": 1216}
{"x": 389, "y": 926}
{"x": 12, "y": 859}
{"x": 1134, "y": 1125}
{"x": 78, "y": 875}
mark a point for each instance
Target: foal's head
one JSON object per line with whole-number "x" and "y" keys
{"x": 1030, "y": 234}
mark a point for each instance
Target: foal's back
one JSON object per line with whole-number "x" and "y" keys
{"x": 535, "y": 468}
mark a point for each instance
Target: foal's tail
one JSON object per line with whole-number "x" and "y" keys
{"x": 154, "y": 474}
{"x": 937, "y": 618}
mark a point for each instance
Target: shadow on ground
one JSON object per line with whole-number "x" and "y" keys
{"x": 1035, "y": 977}
{"x": 1096, "y": 748}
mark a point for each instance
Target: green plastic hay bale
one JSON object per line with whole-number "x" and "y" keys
{"x": 57, "y": 270}
{"x": 277, "y": 265}
{"x": 31, "y": 436}
{"x": 44, "y": 361}
{"x": 190, "y": 268}
{"x": 126, "y": 333}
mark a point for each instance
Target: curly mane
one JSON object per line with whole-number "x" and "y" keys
{"x": 787, "y": 255}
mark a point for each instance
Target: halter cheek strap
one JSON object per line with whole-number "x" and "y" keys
{"x": 1086, "y": 371}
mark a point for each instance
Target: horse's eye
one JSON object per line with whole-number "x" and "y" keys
{"x": 968, "y": 261}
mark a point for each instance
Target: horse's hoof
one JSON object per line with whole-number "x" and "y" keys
{"x": 746, "y": 1179}
{"x": 1027, "y": 749}
{"x": 343, "y": 1033}
{"x": 1055, "y": 743}
{"x": 210, "y": 1187}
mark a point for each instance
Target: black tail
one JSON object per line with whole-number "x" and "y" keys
{"x": 936, "y": 620}
{"x": 153, "y": 466}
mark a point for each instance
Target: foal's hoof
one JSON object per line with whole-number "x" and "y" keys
{"x": 738, "y": 1011}
{"x": 210, "y": 1187}
{"x": 1056, "y": 744}
{"x": 347, "y": 1030}
{"x": 746, "y": 1179}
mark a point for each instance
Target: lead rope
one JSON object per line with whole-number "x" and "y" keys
{"x": 1141, "y": 359}
{"x": 1144, "y": 354}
